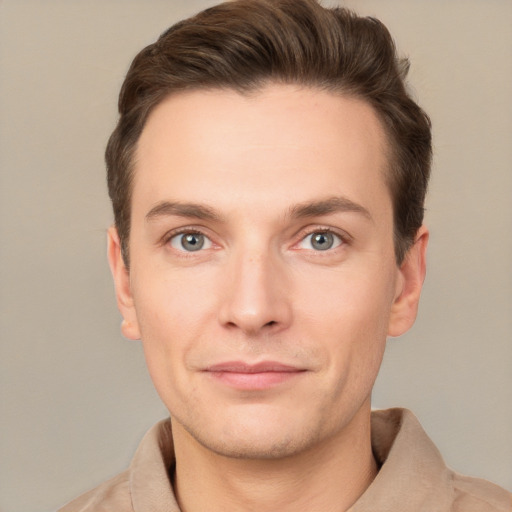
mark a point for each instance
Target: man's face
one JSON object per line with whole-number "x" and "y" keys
{"x": 263, "y": 280}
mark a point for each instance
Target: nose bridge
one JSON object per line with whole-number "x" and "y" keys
{"x": 255, "y": 297}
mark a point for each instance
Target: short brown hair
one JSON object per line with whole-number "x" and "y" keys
{"x": 243, "y": 45}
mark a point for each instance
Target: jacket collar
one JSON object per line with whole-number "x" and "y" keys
{"x": 412, "y": 476}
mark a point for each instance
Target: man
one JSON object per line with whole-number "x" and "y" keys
{"x": 268, "y": 175}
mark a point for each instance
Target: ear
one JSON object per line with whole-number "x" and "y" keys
{"x": 121, "y": 275}
{"x": 411, "y": 275}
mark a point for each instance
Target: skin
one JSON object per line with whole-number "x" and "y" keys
{"x": 255, "y": 178}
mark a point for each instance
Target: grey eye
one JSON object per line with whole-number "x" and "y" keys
{"x": 321, "y": 241}
{"x": 190, "y": 242}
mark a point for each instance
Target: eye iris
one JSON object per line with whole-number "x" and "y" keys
{"x": 322, "y": 241}
{"x": 192, "y": 241}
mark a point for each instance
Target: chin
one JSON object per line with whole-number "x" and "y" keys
{"x": 256, "y": 436}
{"x": 256, "y": 447}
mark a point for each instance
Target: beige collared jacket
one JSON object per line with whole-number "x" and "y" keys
{"x": 412, "y": 476}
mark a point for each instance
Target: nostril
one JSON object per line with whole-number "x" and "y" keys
{"x": 271, "y": 323}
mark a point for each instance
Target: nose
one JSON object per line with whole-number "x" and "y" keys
{"x": 256, "y": 296}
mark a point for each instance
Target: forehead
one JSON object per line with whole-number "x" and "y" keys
{"x": 282, "y": 140}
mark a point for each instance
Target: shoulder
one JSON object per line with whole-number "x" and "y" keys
{"x": 114, "y": 494}
{"x": 143, "y": 485}
{"x": 477, "y": 495}
{"x": 413, "y": 472}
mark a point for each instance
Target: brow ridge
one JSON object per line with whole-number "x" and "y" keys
{"x": 328, "y": 206}
{"x": 189, "y": 210}
{"x": 306, "y": 209}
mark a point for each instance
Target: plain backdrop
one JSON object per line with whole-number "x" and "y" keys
{"x": 75, "y": 397}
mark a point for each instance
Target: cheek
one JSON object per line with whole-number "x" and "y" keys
{"x": 169, "y": 302}
{"x": 161, "y": 307}
{"x": 348, "y": 314}
{"x": 348, "y": 299}
{"x": 174, "y": 310}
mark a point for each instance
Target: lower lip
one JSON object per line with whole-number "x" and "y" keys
{"x": 254, "y": 381}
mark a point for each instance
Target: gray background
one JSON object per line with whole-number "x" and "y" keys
{"x": 75, "y": 397}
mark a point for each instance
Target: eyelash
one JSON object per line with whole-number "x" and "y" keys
{"x": 344, "y": 238}
{"x": 182, "y": 231}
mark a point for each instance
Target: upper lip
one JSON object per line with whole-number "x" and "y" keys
{"x": 242, "y": 367}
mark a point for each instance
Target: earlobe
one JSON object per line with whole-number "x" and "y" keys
{"x": 410, "y": 278}
{"x": 121, "y": 275}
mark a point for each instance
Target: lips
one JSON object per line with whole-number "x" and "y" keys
{"x": 257, "y": 376}
{"x": 241, "y": 367}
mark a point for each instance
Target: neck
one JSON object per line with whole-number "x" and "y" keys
{"x": 330, "y": 476}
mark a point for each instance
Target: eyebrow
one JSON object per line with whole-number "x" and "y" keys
{"x": 328, "y": 206}
{"x": 189, "y": 210}
{"x": 302, "y": 210}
